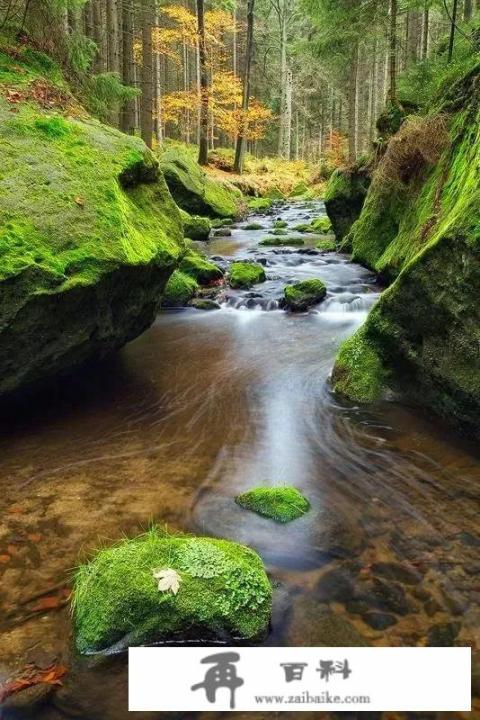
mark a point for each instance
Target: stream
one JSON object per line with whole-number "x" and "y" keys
{"x": 205, "y": 405}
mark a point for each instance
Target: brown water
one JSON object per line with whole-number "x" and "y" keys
{"x": 205, "y": 405}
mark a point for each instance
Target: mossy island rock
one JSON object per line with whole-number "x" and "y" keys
{"x": 344, "y": 197}
{"x": 183, "y": 285}
{"x": 322, "y": 225}
{"x": 327, "y": 245}
{"x": 280, "y": 241}
{"x": 280, "y": 224}
{"x": 260, "y": 204}
{"x": 254, "y": 226}
{"x": 200, "y": 269}
{"x": 420, "y": 229}
{"x": 196, "y": 227}
{"x": 222, "y": 590}
{"x": 194, "y": 191}
{"x": 278, "y": 231}
{"x": 303, "y": 228}
{"x": 282, "y": 504}
{"x": 245, "y": 274}
{"x": 89, "y": 236}
{"x": 302, "y": 295}
{"x": 204, "y": 304}
{"x": 179, "y": 289}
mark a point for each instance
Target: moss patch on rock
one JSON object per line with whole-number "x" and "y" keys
{"x": 322, "y": 225}
{"x": 302, "y": 295}
{"x": 344, "y": 197}
{"x": 245, "y": 274}
{"x": 254, "y": 226}
{"x": 282, "y": 504}
{"x": 196, "y": 227}
{"x": 276, "y": 241}
{"x": 199, "y": 268}
{"x": 194, "y": 191}
{"x": 260, "y": 204}
{"x": 223, "y": 590}
{"x": 327, "y": 245}
{"x": 89, "y": 235}
{"x": 359, "y": 373}
{"x": 179, "y": 289}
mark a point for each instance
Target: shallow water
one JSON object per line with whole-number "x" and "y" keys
{"x": 207, "y": 404}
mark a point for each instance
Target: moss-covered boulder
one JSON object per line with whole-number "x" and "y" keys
{"x": 282, "y": 240}
{"x": 322, "y": 225}
{"x": 326, "y": 245}
{"x": 302, "y": 295}
{"x": 303, "y": 228}
{"x": 279, "y": 224}
{"x": 282, "y": 504}
{"x": 196, "y": 227}
{"x": 89, "y": 233}
{"x": 200, "y": 269}
{"x": 194, "y": 191}
{"x": 179, "y": 289}
{"x": 254, "y": 226}
{"x": 157, "y": 587}
{"x": 245, "y": 274}
{"x": 260, "y": 204}
{"x": 344, "y": 197}
{"x": 423, "y": 336}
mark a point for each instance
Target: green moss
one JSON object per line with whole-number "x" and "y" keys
{"x": 274, "y": 193}
{"x": 244, "y": 274}
{"x": 302, "y": 295}
{"x": 300, "y": 189}
{"x": 259, "y": 204}
{"x": 223, "y": 590}
{"x": 327, "y": 245}
{"x": 254, "y": 226}
{"x": 196, "y": 227}
{"x": 282, "y": 504}
{"x": 179, "y": 289}
{"x": 344, "y": 197}
{"x": 194, "y": 191}
{"x": 303, "y": 228}
{"x": 280, "y": 224}
{"x": 276, "y": 241}
{"x": 200, "y": 269}
{"x": 278, "y": 231}
{"x": 322, "y": 225}
{"x": 359, "y": 374}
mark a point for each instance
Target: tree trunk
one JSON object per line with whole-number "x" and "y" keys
{"x": 452, "y": 30}
{"x": 128, "y": 68}
{"x": 112, "y": 35}
{"x": 392, "y": 93}
{"x": 204, "y": 104}
{"x": 352, "y": 107}
{"x": 468, "y": 10}
{"x": 285, "y": 151}
{"x": 241, "y": 139}
{"x": 100, "y": 64}
{"x": 284, "y": 82}
{"x": 146, "y": 105}
{"x": 425, "y": 32}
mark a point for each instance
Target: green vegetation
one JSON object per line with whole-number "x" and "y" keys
{"x": 254, "y": 226}
{"x": 223, "y": 589}
{"x": 179, "y": 289}
{"x": 196, "y": 227}
{"x": 245, "y": 274}
{"x": 200, "y": 269}
{"x": 344, "y": 198}
{"x": 322, "y": 225}
{"x": 282, "y": 504}
{"x": 358, "y": 371}
{"x": 278, "y": 224}
{"x": 195, "y": 191}
{"x": 259, "y": 204}
{"x": 302, "y": 295}
{"x": 278, "y": 231}
{"x": 276, "y": 241}
{"x": 327, "y": 245}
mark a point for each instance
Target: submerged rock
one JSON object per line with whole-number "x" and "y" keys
{"x": 282, "y": 504}
{"x": 223, "y": 591}
{"x": 204, "y": 304}
{"x": 245, "y": 274}
{"x": 89, "y": 236}
{"x": 314, "y": 624}
{"x": 302, "y": 295}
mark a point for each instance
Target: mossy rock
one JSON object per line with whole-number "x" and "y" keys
{"x": 281, "y": 241}
{"x": 344, "y": 197}
{"x": 302, "y": 295}
{"x": 89, "y": 235}
{"x": 223, "y": 591}
{"x": 204, "y": 304}
{"x": 327, "y": 245}
{"x": 274, "y": 193}
{"x": 282, "y": 504}
{"x": 358, "y": 371}
{"x": 245, "y": 274}
{"x": 221, "y": 222}
{"x": 278, "y": 231}
{"x": 280, "y": 224}
{"x": 200, "y": 269}
{"x": 322, "y": 225}
{"x": 179, "y": 289}
{"x": 303, "y": 228}
{"x": 260, "y": 204}
{"x": 196, "y": 227}
{"x": 194, "y": 191}
{"x": 254, "y": 226}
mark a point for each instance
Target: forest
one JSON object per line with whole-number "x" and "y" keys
{"x": 239, "y": 353}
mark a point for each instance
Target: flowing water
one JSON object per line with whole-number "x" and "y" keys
{"x": 205, "y": 405}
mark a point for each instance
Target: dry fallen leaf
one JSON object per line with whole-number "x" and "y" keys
{"x": 168, "y": 579}
{"x": 80, "y": 201}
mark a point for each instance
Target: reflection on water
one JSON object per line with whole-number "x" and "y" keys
{"x": 206, "y": 405}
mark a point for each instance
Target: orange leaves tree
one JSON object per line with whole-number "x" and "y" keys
{"x": 172, "y": 40}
